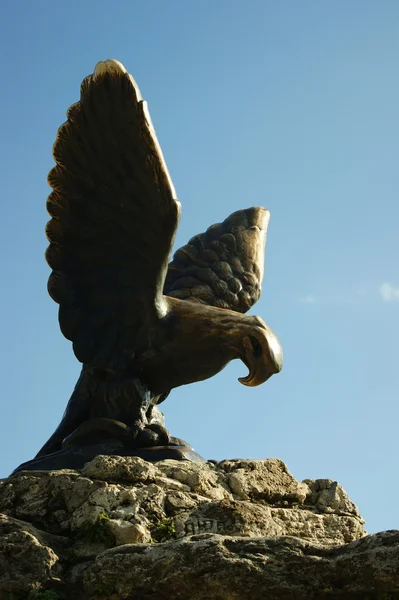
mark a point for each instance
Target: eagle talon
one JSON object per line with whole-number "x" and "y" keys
{"x": 151, "y": 435}
{"x": 136, "y": 436}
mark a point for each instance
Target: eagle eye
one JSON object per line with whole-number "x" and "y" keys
{"x": 257, "y": 348}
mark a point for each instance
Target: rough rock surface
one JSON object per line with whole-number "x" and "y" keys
{"x": 123, "y": 528}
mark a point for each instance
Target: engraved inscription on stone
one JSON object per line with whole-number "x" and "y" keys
{"x": 193, "y": 526}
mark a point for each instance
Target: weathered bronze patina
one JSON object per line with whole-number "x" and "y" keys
{"x": 140, "y": 327}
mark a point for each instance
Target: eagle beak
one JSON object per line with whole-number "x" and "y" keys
{"x": 263, "y": 357}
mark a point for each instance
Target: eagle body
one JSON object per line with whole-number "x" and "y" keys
{"x": 139, "y": 324}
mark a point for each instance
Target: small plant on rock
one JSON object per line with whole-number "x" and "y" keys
{"x": 163, "y": 530}
{"x": 98, "y": 531}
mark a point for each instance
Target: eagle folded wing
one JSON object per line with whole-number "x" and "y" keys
{"x": 114, "y": 216}
{"x": 222, "y": 267}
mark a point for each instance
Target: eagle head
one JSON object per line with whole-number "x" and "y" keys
{"x": 261, "y": 352}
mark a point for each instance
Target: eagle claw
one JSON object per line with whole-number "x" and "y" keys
{"x": 151, "y": 435}
{"x": 136, "y": 436}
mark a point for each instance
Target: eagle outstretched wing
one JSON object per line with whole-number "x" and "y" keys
{"x": 222, "y": 267}
{"x": 114, "y": 216}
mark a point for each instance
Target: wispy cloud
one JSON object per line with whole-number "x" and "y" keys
{"x": 307, "y": 299}
{"x": 386, "y": 292}
{"x": 389, "y": 293}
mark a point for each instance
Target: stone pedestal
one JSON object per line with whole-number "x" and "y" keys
{"x": 123, "y": 528}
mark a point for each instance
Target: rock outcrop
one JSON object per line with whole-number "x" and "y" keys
{"x": 123, "y": 528}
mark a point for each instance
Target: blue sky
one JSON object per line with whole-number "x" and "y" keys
{"x": 291, "y": 105}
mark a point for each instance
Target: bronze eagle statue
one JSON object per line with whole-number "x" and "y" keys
{"x": 139, "y": 325}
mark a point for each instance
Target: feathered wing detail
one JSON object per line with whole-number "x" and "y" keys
{"x": 222, "y": 267}
{"x": 114, "y": 216}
